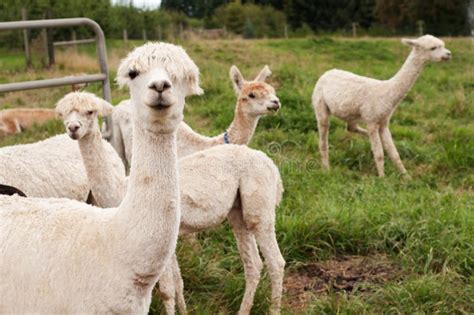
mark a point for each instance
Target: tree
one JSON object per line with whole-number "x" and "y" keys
{"x": 441, "y": 17}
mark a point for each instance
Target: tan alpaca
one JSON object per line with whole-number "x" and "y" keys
{"x": 254, "y": 99}
{"x": 355, "y": 99}
{"x": 16, "y": 120}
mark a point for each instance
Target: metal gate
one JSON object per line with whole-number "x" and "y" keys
{"x": 103, "y": 76}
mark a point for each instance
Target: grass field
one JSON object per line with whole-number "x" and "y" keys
{"x": 354, "y": 243}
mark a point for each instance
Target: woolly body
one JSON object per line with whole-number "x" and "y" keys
{"x": 49, "y": 168}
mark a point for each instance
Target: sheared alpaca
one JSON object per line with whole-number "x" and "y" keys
{"x": 51, "y": 168}
{"x": 354, "y": 99}
{"x": 254, "y": 99}
{"x": 18, "y": 119}
{"x": 249, "y": 187}
{"x": 62, "y": 256}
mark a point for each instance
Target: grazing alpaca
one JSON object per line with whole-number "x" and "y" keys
{"x": 62, "y": 256}
{"x": 18, "y": 119}
{"x": 249, "y": 191}
{"x": 254, "y": 99}
{"x": 354, "y": 99}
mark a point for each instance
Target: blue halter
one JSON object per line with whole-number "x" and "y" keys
{"x": 226, "y": 138}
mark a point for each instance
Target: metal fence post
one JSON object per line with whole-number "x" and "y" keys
{"x": 26, "y": 39}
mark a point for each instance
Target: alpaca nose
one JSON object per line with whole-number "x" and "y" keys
{"x": 73, "y": 127}
{"x": 275, "y": 105}
{"x": 160, "y": 85}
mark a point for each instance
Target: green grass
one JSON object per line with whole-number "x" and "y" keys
{"x": 424, "y": 225}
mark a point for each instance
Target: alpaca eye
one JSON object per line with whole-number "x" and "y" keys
{"x": 90, "y": 112}
{"x": 433, "y": 48}
{"x": 133, "y": 74}
{"x": 251, "y": 95}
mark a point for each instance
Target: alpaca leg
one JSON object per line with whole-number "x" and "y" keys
{"x": 377, "y": 149}
{"x": 389, "y": 146}
{"x": 179, "y": 286}
{"x": 322, "y": 116}
{"x": 352, "y": 127}
{"x": 267, "y": 242}
{"x": 167, "y": 289}
{"x": 250, "y": 258}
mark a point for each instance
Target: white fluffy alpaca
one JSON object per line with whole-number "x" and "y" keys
{"x": 354, "y": 99}
{"x": 62, "y": 256}
{"x": 249, "y": 188}
{"x": 48, "y": 168}
{"x": 80, "y": 111}
{"x": 254, "y": 99}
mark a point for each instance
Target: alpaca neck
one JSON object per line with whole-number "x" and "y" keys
{"x": 242, "y": 128}
{"x": 402, "y": 82}
{"x": 106, "y": 185}
{"x": 149, "y": 214}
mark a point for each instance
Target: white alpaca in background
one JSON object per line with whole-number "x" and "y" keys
{"x": 249, "y": 187}
{"x": 62, "y": 256}
{"x": 254, "y": 99}
{"x": 354, "y": 99}
{"x": 51, "y": 168}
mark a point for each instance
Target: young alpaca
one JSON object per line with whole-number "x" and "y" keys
{"x": 63, "y": 256}
{"x": 254, "y": 99}
{"x": 237, "y": 170}
{"x": 354, "y": 99}
{"x": 80, "y": 111}
{"x": 18, "y": 119}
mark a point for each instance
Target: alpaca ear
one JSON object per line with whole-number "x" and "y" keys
{"x": 410, "y": 42}
{"x": 105, "y": 108}
{"x": 264, "y": 74}
{"x": 237, "y": 79}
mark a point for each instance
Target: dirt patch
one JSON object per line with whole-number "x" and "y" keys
{"x": 348, "y": 274}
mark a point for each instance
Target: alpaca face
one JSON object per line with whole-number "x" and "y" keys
{"x": 255, "y": 98}
{"x": 159, "y": 77}
{"x": 80, "y": 111}
{"x": 258, "y": 99}
{"x": 429, "y": 48}
{"x": 158, "y": 100}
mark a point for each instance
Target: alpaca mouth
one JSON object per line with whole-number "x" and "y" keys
{"x": 74, "y": 135}
{"x": 160, "y": 104}
{"x": 273, "y": 109}
{"x": 446, "y": 58}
